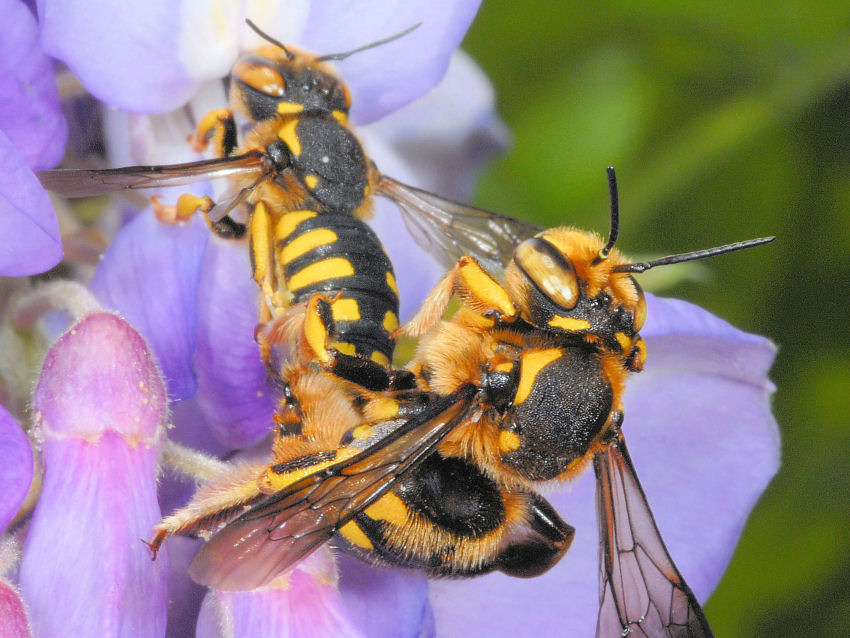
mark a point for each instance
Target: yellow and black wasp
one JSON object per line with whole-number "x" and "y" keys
{"x": 436, "y": 468}
{"x": 523, "y": 385}
{"x": 303, "y": 184}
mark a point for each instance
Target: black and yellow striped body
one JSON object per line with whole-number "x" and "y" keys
{"x": 450, "y": 519}
{"x": 340, "y": 256}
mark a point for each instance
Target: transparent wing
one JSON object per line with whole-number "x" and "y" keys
{"x": 257, "y": 547}
{"x": 87, "y": 183}
{"x": 449, "y": 230}
{"x": 641, "y": 591}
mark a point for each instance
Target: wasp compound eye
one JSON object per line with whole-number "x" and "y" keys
{"x": 550, "y": 271}
{"x": 255, "y": 72}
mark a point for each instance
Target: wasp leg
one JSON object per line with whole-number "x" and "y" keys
{"x": 476, "y": 288}
{"x": 212, "y": 506}
{"x": 187, "y": 205}
{"x": 216, "y": 128}
{"x": 261, "y": 249}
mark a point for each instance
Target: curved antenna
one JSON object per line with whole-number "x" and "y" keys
{"x": 268, "y": 38}
{"x": 643, "y": 266}
{"x": 371, "y": 45}
{"x": 615, "y": 217}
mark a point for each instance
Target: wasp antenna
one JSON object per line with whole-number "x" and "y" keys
{"x": 267, "y": 37}
{"x": 615, "y": 216}
{"x": 371, "y": 45}
{"x": 692, "y": 256}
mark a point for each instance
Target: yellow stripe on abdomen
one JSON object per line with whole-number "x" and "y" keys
{"x": 333, "y": 268}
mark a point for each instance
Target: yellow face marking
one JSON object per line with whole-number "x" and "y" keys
{"x": 305, "y": 243}
{"x": 345, "y": 310}
{"x": 380, "y": 358}
{"x": 333, "y": 268}
{"x": 508, "y": 441}
{"x": 289, "y": 136}
{"x": 339, "y": 116}
{"x": 354, "y": 535}
{"x": 390, "y": 321}
{"x": 280, "y": 481}
{"x": 624, "y": 341}
{"x": 311, "y": 181}
{"x": 344, "y": 347}
{"x": 531, "y": 364}
{"x": 569, "y": 323}
{"x": 388, "y": 508}
{"x": 506, "y": 366}
{"x": 391, "y": 283}
{"x": 288, "y": 108}
{"x": 485, "y": 288}
{"x": 287, "y": 224}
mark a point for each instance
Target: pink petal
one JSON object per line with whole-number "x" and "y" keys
{"x": 100, "y": 410}
{"x": 13, "y": 615}
{"x": 306, "y": 605}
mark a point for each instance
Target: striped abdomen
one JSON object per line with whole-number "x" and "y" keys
{"x": 338, "y": 253}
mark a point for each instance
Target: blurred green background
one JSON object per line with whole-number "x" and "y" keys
{"x": 725, "y": 121}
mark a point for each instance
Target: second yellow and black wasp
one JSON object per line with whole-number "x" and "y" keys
{"x": 522, "y": 386}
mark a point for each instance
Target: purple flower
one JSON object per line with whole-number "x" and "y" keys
{"x": 100, "y": 412}
{"x": 698, "y": 421}
{"x": 15, "y": 467}
{"x": 32, "y": 137}
{"x": 16, "y": 470}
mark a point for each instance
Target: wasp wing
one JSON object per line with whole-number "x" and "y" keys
{"x": 641, "y": 591}
{"x": 87, "y": 183}
{"x": 258, "y": 546}
{"x": 448, "y": 230}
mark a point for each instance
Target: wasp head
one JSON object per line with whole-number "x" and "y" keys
{"x": 274, "y": 81}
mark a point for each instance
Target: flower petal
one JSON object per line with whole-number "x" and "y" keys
{"x": 13, "y": 615}
{"x": 385, "y": 601}
{"x": 307, "y": 604}
{"x": 29, "y": 113}
{"x": 232, "y": 391}
{"x": 388, "y": 76}
{"x": 15, "y": 467}
{"x": 447, "y": 135}
{"x": 126, "y": 55}
{"x": 30, "y": 241}
{"x": 150, "y": 275}
{"x": 100, "y": 410}
{"x": 704, "y": 445}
